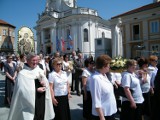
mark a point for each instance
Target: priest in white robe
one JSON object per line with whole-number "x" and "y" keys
{"x": 31, "y": 97}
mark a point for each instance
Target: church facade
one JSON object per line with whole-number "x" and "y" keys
{"x": 65, "y": 27}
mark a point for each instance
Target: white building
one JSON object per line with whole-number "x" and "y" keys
{"x": 61, "y": 19}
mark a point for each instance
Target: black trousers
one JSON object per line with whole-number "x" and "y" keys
{"x": 129, "y": 113}
{"x": 73, "y": 82}
{"x": 87, "y": 106}
{"x": 156, "y": 106}
{"x": 106, "y": 117}
{"x": 78, "y": 84}
{"x": 146, "y": 109}
{"x": 62, "y": 110}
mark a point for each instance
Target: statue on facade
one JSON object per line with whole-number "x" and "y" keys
{"x": 118, "y": 38}
{"x": 69, "y": 3}
{"x": 56, "y": 5}
{"x": 51, "y": 5}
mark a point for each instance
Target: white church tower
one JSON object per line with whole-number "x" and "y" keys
{"x": 63, "y": 26}
{"x": 59, "y": 5}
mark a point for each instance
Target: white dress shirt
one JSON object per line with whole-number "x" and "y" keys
{"x": 60, "y": 83}
{"x": 102, "y": 94}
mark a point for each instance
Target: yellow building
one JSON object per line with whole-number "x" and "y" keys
{"x": 7, "y": 37}
{"x": 140, "y": 30}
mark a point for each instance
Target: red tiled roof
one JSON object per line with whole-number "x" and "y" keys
{"x": 140, "y": 9}
{"x": 2, "y": 22}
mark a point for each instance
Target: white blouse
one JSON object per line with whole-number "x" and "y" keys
{"x": 60, "y": 83}
{"x": 102, "y": 94}
{"x": 86, "y": 73}
{"x": 152, "y": 74}
{"x": 132, "y": 81}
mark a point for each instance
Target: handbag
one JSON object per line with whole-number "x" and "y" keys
{"x": 119, "y": 91}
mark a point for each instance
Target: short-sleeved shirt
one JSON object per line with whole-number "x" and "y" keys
{"x": 86, "y": 73}
{"x": 131, "y": 80}
{"x": 102, "y": 94}
{"x": 152, "y": 74}
{"x": 60, "y": 83}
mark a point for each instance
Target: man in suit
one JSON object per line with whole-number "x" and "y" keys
{"x": 79, "y": 67}
{"x": 73, "y": 58}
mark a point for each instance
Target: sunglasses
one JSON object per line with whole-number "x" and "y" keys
{"x": 59, "y": 63}
{"x": 155, "y": 61}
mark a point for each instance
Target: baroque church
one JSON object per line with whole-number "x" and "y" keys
{"x": 63, "y": 27}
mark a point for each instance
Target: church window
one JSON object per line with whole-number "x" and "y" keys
{"x": 154, "y": 47}
{"x": 103, "y": 35}
{"x": 136, "y": 32}
{"x": 85, "y": 35}
{"x": 4, "y": 32}
{"x": 47, "y": 34}
{"x": 154, "y": 26}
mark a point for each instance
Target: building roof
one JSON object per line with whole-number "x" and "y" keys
{"x": 140, "y": 9}
{"x": 2, "y": 22}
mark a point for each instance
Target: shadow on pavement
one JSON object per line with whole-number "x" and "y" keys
{"x": 76, "y": 114}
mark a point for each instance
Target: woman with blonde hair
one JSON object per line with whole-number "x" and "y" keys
{"x": 131, "y": 106}
{"x": 60, "y": 91}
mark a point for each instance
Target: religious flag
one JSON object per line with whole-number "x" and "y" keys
{"x": 62, "y": 44}
{"x": 57, "y": 44}
{"x": 70, "y": 42}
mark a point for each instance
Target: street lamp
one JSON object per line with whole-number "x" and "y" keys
{"x": 139, "y": 49}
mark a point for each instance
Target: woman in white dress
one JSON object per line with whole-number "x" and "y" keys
{"x": 68, "y": 68}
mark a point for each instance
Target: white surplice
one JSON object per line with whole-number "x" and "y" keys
{"x": 23, "y": 99}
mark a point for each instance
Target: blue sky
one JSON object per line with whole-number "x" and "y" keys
{"x": 25, "y": 12}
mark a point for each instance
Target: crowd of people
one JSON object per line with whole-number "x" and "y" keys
{"x": 39, "y": 87}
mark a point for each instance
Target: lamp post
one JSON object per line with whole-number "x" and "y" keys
{"x": 139, "y": 48}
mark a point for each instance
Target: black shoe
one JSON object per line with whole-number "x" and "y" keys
{"x": 72, "y": 90}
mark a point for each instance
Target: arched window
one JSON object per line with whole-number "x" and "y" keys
{"x": 103, "y": 35}
{"x": 85, "y": 35}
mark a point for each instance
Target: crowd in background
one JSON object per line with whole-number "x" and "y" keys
{"x": 88, "y": 77}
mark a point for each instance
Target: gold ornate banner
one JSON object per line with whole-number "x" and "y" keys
{"x": 25, "y": 40}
